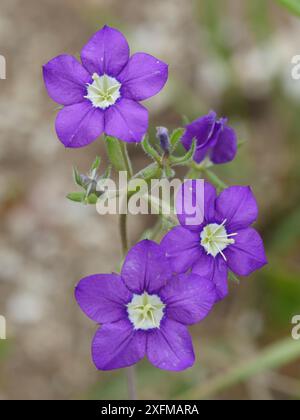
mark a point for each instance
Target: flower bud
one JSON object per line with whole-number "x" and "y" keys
{"x": 162, "y": 135}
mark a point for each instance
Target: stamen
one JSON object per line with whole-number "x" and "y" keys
{"x": 215, "y": 240}
{"x": 145, "y": 311}
{"x": 104, "y": 91}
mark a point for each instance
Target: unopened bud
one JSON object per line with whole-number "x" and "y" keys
{"x": 162, "y": 135}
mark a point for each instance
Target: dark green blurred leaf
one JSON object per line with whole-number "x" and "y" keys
{"x": 292, "y": 5}
{"x": 4, "y": 348}
{"x": 282, "y": 291}
{"x": 287, "y": 233}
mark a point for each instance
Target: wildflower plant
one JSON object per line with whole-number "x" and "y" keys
{"x": 162, "y": 287}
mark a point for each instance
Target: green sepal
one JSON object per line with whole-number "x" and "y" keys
{"x": 149, "y": 150}
{"x": 77, "y": 177}
{"x": 233, "y": 277}
{"x": 115, "y": 154}
{"x": 175, "y": 138}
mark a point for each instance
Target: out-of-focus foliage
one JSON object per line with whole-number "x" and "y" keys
{"x": 292, "y": 5}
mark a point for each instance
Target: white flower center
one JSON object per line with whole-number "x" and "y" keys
{"x": 145, "y": 311}
{"x": 104, "y": 91}
{"x": 214, "y": 239}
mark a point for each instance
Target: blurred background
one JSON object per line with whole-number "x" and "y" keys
{"x": 230, "y": 56}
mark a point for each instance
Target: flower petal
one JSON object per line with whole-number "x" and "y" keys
{"x": 170, "y": 347}
{"x": 118, "y": 345}
{"x": 189, "y": 298}
{"x": 226, "y": 147}
{"x": 215, "y": 270}
{"x": 103, "y": 297}
{"x": 238, "y": 206}
{"x": 201, "y": 129}
{"x": 195, "y": 203}
{"x": 144, "y": 76}
{"x": 247, "y": 254}
{"x": 65, "y": 80}
{"x": 127, "y": 120}
{"x": 79, "y": 125}
{"x": 107, "y": 52}
{"x": 146, "y": 268}
{"x": 182, "y": 248}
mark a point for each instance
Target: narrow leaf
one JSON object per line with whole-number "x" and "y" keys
{"x": 149, "y": 150}
{"x": 187, "y": 158}
{"x": 77, "y": 177}
{"x": 96, "y": 163}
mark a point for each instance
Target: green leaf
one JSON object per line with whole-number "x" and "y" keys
{"x": 176, "y": 136}
{"x": 292, "y": 5}
{"x": 78, "y": 197}
{"x": 96, "y": 163}
{"x": 150, "y": 151}
{"x": 115, "y": 154}
{"x": 152, "y": 171}
{"x": 187, "y": 158}
{"x": 77, "y": 177}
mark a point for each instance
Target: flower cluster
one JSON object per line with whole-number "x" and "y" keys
{"x": 162, "y": 288}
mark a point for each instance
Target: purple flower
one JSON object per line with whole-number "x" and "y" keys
{"x": 144, "y": 311}
{"x": 223, "y": 241}
{"x": 102, "y": 94}
{"x": 214, "y": 139}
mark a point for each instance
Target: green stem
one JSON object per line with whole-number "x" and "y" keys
{"x": 126, "y": 158}
{"x": 214, "y": 179}
{"x": 123, "y": 234}
{"x": 130, "y": 372}
{"x": 273, "y": 357}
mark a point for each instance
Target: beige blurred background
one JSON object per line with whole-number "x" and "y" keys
{"x": 231, "y": 56}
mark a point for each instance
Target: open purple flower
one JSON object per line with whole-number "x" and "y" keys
{"x": 144, "y": 311}
{"x": 102, "y": 94}
{"x": 223, "y": 241}
{"x": 214, "y": 139}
